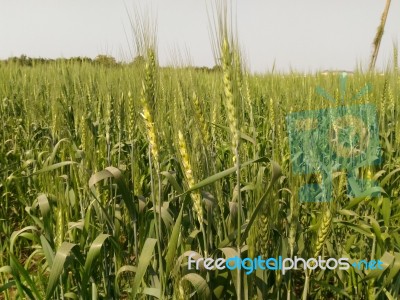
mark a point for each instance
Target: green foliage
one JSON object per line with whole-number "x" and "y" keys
{"x": 85, "y": 213}
{"x": 105, "y": 60}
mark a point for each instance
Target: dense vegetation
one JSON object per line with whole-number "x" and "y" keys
{"x": 111, "y": 176}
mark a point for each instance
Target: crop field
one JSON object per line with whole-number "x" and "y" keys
{"x": 112, "y": 176}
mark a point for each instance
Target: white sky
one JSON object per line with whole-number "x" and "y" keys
{"x": 305, "y": 35}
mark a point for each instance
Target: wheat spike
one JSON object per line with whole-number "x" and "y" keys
{"x": 323, "y": 232}
{"x": 131, "y": 117}
{"x": 59, "y": 227}
{"x": 83, "y": 133}
{"x": 147, "y": 99}
{"x": 229, "y": 100}
{"x": 263, "y": 234}
{"x": 189, "y": 176}
{"x": 151, "y": 133}
{"x": 200, "y": 117}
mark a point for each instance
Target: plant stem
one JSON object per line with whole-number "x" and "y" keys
{"x": 239, "y": 224}
{"x": 153, "y": 199}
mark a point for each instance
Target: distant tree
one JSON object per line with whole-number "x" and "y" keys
{"x": 138, "y": 60}
{"x": 105, "y": 60}
{"x": 216, "y": 68}
{"x": 80, "y": 60}
{"x": 24, "y": 60}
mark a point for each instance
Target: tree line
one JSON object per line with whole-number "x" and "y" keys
{"x": 25, "y": 60}
{"x": 103, "y": 60}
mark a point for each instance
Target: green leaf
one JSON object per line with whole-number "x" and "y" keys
{"x": 144, "y": 260}
{"x": 276, "y": 173}
{"x": 17, "y": 268}
{"x": 361, "y": 228}
{"x": 44, "y": 205}
{"x": 59, "y": 264}
{"x": 394, "y": 269}
{"x": 386, "y": 210}
{"x": 172, "y": 181}
{"x": 154, "y": 292}
{"x": 241, "y": 134}
{"x": 231, "y": 252}
{"x": 346, "y": 212}
{"x": 53, "y": 167}
{"x": 48, "y": 251}
{"x": 112, "y": 172}
{"x": 173, "y": 242}
{"x": 221, "y": 175}
{"x": 121, "y": 270}
{"x": 199, "y": 284}
{"x": 55, "y": 149}
{"x": 386, "y": 179}
{"x": 386, "y": 259}
{"x": 16, "y": 234}
{"x": 92, "y": 255}
{"x": 388, "y": 295}
{"x": 6, "y": 269}
{"x": 336, "y": 290}
{"x": 71, "y": 295}
{"x": 376, "y": 229}
{"x": 363, "y": 196}
{"x": 7, "y": 285}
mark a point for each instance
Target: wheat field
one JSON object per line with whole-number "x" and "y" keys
{"x": 112, "y": 174}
